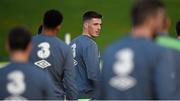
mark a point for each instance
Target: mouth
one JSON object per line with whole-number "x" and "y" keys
{"x": 97, "y": 32}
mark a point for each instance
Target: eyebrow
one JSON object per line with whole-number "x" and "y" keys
{"x": 98, "y": 23}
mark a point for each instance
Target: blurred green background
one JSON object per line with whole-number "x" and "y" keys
{"x": 116, "y": 20}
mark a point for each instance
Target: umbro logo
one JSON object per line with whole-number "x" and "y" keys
{"x": 42, "y": 63}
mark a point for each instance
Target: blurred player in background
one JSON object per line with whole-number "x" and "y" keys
{"x": 86, "y": 55}
{"x": 136, "y": 67}
{"x": 21, "y": 80}
{"x": 174, "y": 54}
{"x": 178, "y": 29}
{"x": 40, "y": 29}
{"x": 53, "y": 55}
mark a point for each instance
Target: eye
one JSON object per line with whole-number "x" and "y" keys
{"x": 96, "y": 24}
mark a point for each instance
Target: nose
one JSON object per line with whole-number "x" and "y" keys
{"x": 99, "y": 27}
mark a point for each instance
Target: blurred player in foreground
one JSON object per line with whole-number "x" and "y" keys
{"x": 136, "y": 68}
{"x": 20, "y": 80}
{"x": 178, "y": 29}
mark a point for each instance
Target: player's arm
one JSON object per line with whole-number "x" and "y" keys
{"x": 101, "y": 90}
{"x": 164, "y": 74}
{"x": 69, "y": 75}
{"x": 91, "y": 58}
{"x": 49, "y": 88}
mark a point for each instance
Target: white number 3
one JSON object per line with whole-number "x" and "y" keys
{"x": 44, "y": 52}
{"x": 123, "y": 67}
{"x": 16, "y": 86}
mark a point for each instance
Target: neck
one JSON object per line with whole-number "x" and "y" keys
{"x": 86, "y": 33}
{"x": 49, "y": 32}
{"x": 19, "y": 56}
{"x": 142, "y": 31}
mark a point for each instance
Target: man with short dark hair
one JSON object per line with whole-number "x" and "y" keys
{"x": 178, "y": 29}
{"x": 40, "y": 29}
{"x": 86, "y": 55}
{"x": 136, "y": 68}
{"x": 53, "y": 55}
{"x": 21, "y": 80}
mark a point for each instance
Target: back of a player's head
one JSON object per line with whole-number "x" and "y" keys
{"x": 18, "y": 39}
{"x": 144, "y": 9}
{"x": 40, "y": 29}
{"x": 178, "y": 28}
{"x": 90, "y": 15}
{"x": 52, "y": 19}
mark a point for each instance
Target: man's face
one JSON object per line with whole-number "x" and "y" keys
{"x": 93, "y": 27}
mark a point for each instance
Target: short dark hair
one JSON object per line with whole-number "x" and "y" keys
{"x": 52, "y": 18}
{"x": 18, "y": 38}
{"x": 91, "y": 14}
{"x": 40, "y": 29}
{"x": 144, "y": 8}
{"x": 178, "y": 28}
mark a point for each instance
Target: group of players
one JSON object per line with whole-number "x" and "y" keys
{"x": 138, "y": 66}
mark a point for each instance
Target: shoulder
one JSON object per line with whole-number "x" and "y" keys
{"x": 6, "y": 68}
{"x": 64, "y": 46}
{"x": 83, "y": 40}
{"x": 35, "y": 37}
{"x": 116, "y": 45}
{"x": 135, "y": 44}
{"x": 76, "y": 40}
{"x": 3, "y": 70}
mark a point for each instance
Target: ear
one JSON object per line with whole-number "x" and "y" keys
{"x": 56, "y": 30}
{"x": 85, "y": 24}
{"x": 59, "y": 27}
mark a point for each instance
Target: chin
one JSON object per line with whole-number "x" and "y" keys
{"x": 96, "y": 35}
